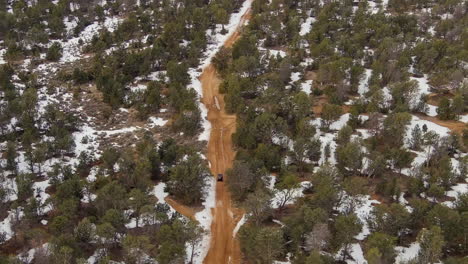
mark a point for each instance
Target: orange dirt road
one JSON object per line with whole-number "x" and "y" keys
{"x": 224, "y": 248}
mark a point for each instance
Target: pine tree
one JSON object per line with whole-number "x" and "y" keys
{"x": 55, "y": 52}
{"x": 458, "y": 105}
{"x": 416, "y": 138}
{"x": 432, "y": 242}
{"x": 445, "y": 111}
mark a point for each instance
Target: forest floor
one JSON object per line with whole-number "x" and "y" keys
{"x": 224, "y": 247}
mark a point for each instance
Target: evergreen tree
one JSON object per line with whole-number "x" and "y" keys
{"x": 55, "y": 52}
{"x": 445, "y": 111}
{"x": 187, "y": 180}
{"x": 432, "y": 242}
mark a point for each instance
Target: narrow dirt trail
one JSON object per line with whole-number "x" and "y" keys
{"x": 184, "y": 210}
{"x": 224, "y": 248}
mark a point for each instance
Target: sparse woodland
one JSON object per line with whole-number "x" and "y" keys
{"x": 351, "y": 137}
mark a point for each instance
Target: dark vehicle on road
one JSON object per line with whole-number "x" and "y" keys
{"x": 220, "y": 177}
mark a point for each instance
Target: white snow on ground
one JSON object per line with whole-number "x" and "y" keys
{"x": 407, "y": 253}
{"x": 9, "y": 185}
{"x": 423, "y": 88}
{"x": 458, "y": 189}
{"x": 306, "y": 26}
{"x": 295, "y": 76}
{"x": 387, "y": 98}
{"x": 92, "y": 174}
{"x": 157, "y": 121}
{"x": 455, "y": 192}
{"x": 363, "y": 207}
{"x": 404, "y": 202}
{"x": 281, "y": 262}
{"x": 328, "y": 138}
{"x": 39, "y": 189}
{"x": 273, "y": 52}
{"x": 276, "y": 221}
{"x": 197, "y": 86}
{"x": 374, "y": 8}
{"x": 2, "y": 53}
{"x": 99, "y": 253}
{"x": 417, "y": 162}
{"x": 307, "y": 86}
{"x": 364, "y": 82}
{"x": 138, "y": 88}
{"x": 161, "y": 195}
{"x": 72, "y": 47}
{"x": 5, "y": 225}
{"x": 442, "y": 131}
{"x": 204, "y": 217}
{"x": 341, "y": 122}
{"x": 118, "y": 131}
{"x": 422, "y": 155}
{"x": 270, "y": 181}
{"x": 464, "y": 118}
{"x": 307, "y": 62}
{"x": 279, "y": 195}
{"x": 27, "y": 257}
{"x": 239, "y": 225}
{"x": 70, "y": 25}
{"x": 431, "y": 110}
{"x": 86, "y": 140}
{"x": 355, "y": 252}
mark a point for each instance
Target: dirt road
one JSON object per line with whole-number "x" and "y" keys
{"x": 224, "y": 248}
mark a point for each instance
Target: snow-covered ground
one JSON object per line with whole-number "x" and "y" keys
{"x": 204, "y": 217}
{"x": 363, "y": 87}
{"x": 306, "y": 26}
{"x": 355, "y": 252}
{"x": 423, "y": 89}
{"x": 157, "y": 121}
{"x": 2, "y": 53}
{"x": 440, "y": 130}
{"x": 307, "y": 86}
{"x": 39, "y": 189}
{"x": 295, "y": 76}
{"x": 241, "y": 222}
{"x": 72, "y": 47}
{"x": 6, "y": 224}
{"x": 464, "y": 118}
{"x": 289, "y": 195}
{"x": 407, "y": 253}
{"x": 431, "y": 110}
{"x": 455, "y": 192}
{"x": 363, "y": 206}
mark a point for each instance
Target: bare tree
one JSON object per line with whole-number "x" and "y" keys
{"x": 318, "y": 238}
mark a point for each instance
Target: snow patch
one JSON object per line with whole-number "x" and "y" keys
{"x": 279, "y": 195}
{"x": 307, "y": 86}
{"x": 363, "y": 87}
{"x": 2, "y": 53}
{"x": 407, "y": 253}
{"x": 306, "y": 26}
{"x": 157, "y": 121}
{"x": 204, "y": 217}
